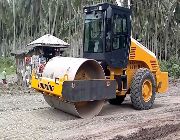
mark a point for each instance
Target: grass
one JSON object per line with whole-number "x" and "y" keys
{"x": 9, "y": 64}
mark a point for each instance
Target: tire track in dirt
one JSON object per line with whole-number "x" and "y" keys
{"x": 149, "y": 130}
{"x": 151, "y": 133}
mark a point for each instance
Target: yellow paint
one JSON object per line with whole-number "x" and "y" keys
{"x": 138, "y": 55}
{"x": 147, "y": 90}
{"x": 139, "y": 58}
{"x": 162, "y": 81}
{"x": 57, "y": 86}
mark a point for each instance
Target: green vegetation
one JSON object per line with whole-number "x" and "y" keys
{"x": 172, "y": 66}
{"x": 8, "y": 64}
{"x": 155, "y": 22}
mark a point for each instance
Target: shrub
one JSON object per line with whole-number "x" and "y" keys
{"x": 7, "y": 63}
{"x": 172, "y": 66}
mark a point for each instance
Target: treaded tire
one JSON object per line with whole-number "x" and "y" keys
{"x": 117, "y": 101}
{"x": 137, "y": 100}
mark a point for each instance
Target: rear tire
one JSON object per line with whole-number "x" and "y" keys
{"x": 117, "y": 101}
{"x": 143, "y": 89}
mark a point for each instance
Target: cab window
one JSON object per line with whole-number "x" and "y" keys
{"x": 119, "y": 32}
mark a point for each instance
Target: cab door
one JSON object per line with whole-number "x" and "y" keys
{"x": 117, "y": 47}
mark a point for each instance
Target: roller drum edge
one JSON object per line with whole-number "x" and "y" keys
{"x": 81, "y": 109}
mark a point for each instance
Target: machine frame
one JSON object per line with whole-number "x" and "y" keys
{"x": 84, "y": 83}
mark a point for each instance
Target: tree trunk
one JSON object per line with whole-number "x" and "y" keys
{"x": 14, "y": 24}
{"x": 177, "y": 41}
{"x": 55, "y": 16}
{"x": 156, "y": 41}
{"x": 50, "y": 2}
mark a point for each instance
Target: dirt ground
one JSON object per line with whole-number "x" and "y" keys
{"x": 27, "y": 116}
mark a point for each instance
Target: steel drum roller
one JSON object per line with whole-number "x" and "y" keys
{"x": 76, "y": 69}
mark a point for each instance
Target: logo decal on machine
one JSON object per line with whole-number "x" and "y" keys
{"x": 46, "y": 86}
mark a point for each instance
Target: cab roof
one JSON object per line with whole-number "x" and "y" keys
{"x": 105, "y": 6}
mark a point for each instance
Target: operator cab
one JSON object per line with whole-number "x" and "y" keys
{"x": 107, "y": 34}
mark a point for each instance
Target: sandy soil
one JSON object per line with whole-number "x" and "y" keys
{"x": 27, "y": 116}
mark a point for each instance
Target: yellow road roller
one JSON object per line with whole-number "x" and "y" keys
{"x": 113, "y": 65}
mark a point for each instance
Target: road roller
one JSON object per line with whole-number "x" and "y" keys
{"x": 113, "y": 66}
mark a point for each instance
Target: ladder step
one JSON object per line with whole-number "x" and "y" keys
{"x": 107, "y": 77}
